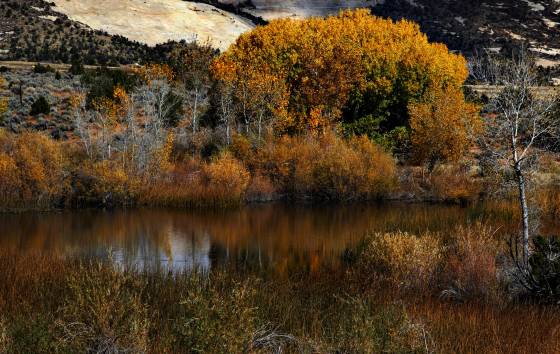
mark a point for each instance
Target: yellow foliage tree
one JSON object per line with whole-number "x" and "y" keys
{"x": 320, "y": 63}
{"x": 444, "y": 126}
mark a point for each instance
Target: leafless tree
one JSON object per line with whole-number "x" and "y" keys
{"x": 82, "y": 118}
{"x": 519, "y": 122}
{"x": 194, "y": 72}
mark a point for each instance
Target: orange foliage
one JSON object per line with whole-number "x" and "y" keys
{"x": 227, "y": 176}
{"x": 444, "y": 126}
{"x": 222, "y": 182}
{"x": 318, "y": 62}
{"x": 327, "y": 167}
{"x": 112, "y": 108}
{"x": 3, "y": 101}
{"x": 106, "y": 182}
{"x": 151, "y": 72}
{"x": 33, "y": 170}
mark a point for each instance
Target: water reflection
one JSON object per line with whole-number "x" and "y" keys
{"x": 274, "y": 237}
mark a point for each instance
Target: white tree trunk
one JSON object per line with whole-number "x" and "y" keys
{"x": 524, "y": 212}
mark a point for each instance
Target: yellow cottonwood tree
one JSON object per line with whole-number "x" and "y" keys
{"x": 321, "y": 65}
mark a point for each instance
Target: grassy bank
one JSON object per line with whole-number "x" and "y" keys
{"x": 398, "y": 293}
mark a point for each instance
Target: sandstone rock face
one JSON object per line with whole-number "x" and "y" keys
{"x": 157, "y": 21}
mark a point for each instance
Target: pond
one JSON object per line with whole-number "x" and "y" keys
{"x": 270, "y": 237}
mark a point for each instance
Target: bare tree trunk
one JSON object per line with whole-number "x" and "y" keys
{"x": 195, "y": 113}
{"x": 524, "y": 212}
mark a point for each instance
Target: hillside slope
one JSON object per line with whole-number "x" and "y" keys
{"x": 121, "y": 30}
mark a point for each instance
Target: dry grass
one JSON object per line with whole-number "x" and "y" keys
{"x": 53, "y": 305}
{"x": 477, "y": 328}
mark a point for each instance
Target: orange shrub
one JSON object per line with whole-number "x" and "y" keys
{"x": 220, "y": 183}
{"x": 107, "y": 183}
{"x": 307, "y": 70}
{"x": 327, "y": 167}
{"x": 227, "y": 177}
{"x": 34, "y": 170}
{"x": 444, "y": 126}
{"x": 454, "y": 183}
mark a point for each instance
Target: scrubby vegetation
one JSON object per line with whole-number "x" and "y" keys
{"x": 400, "y": 292}
{"x": 345, "y": 108}
{"x": 264, "y": 120}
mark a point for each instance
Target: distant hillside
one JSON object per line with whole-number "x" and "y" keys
{"x": 109, "y": 31}
{"x": 494, "y": 24}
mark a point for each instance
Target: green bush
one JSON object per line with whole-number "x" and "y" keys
{"x": 544, "y": 264}
{"x": 40, "y": 106}
{"x": 42, "y": 69}
{"x": 218, "y": 315}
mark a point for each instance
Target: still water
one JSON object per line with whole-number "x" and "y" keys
{"x": 271, "y": 237}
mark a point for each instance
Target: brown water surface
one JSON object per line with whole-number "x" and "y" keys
{"x": 271, "y": 237}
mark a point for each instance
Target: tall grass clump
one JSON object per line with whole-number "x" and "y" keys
{"x": 471, "y": 270}
{"x": 217, "y": 315}
{"x": 406, "y": 260}
{"x": 222, "y": 182}
{"x": 104, "y": 312}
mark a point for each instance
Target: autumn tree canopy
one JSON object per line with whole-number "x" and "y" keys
{"x": 353, "y": 68}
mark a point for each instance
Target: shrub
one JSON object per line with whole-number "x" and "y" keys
{"x": 217, "y": 316}
{"x": 77, "y": 68}
{"x": 105, "y": 183}
{"x": 227, "y": 178}
{"x": 349, "y": 66}
{"x": 42, "y": 69}
{"x": 408, "y": 260}
{"x": 470, "y": 271}
{"x": 5, "y": 340}
{"x": 548, "y": 200}
{"x": 328, "y": 167}
{"x": 444, "y": 127}
{"x": 540, "y": 280}
{"x": 104, "y": 312}
{"x": 34, "y": 170}
{"x": 370, "y": 328}
{"x": 40, "y": 106}
{"x": 453, "y": 183}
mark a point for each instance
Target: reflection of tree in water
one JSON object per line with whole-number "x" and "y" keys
{"x": 266, "y": 237}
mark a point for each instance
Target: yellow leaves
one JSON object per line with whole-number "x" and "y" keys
{"x": 76, "y": 100}
{"x": 411, "y": 260}
{"x": 112, "y": 108}
{"x": 320, "y": 61}
{"x": 444, "y": 126}
{"x": 152, "y": 72}
{"x": 32, "y": 169}
{"x": 120, "y": 95}
{"x": 3, "y": 101}
{"x": 226, "y": 175}
{"x": 3, "y": 106}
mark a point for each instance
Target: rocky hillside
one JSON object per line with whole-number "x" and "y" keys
{"x": 122, "y": 30}
{"x": 494, "y": 24}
